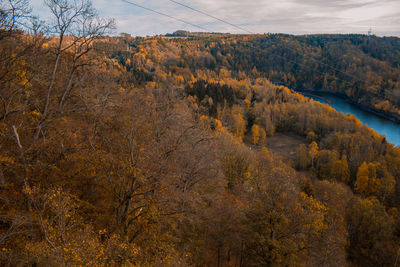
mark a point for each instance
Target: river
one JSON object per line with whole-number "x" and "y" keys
{"x": 382, "y": 126}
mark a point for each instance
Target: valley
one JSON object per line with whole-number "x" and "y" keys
{"x": 191, "y": 149}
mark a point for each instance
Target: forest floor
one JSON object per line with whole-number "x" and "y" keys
{"x": 285, "y": 145}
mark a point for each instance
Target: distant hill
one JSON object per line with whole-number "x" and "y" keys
{"x": 364, "y": 69}
{"x": 181, "y": 33}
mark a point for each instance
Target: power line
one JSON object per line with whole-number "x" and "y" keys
{"x": 200, "y": 27}
{"x": 211, "y": 16}
{"x": 165, "y": 15}
{"x": 243, "y": 29}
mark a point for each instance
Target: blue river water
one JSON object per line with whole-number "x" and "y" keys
{"x": 382, "y": 126}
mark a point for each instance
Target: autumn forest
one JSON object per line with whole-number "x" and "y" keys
{"x": 157, "y": 151}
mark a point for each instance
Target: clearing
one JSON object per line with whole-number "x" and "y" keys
{"x": 285, "y": 145}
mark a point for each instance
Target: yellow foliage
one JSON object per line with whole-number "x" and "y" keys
{"x": 68, "y": 239}
{"x": 383, "y": 105}
{"x": 247, "y": 104}
{"x": 367, "y": 183}
{"x": 5, "y": 159}
{"x": 313, "y": 152}
{"x": 361, "y": 185}
{"x": 179, "y": 79}
{"x": 35, "y": 113}
{"x": 263, "y": 136}
{"x": 255, "y": 133}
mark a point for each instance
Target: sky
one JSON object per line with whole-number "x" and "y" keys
{"x": 257, "y": 16}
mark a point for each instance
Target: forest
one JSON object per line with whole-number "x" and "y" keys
{"x": 360, "y": 68}
{"x": 152, "y": 151}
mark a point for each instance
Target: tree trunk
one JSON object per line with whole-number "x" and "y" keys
{"x": 2, "y": 180}
{"x": 219, "y": 257}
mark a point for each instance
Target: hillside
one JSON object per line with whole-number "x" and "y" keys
{"x": 131, "y": 151}
{"x": 363, "y": 69}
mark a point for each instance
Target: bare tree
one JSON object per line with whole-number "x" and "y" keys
{"x": 77, "y": 25}
{"x": 12, "y": 14}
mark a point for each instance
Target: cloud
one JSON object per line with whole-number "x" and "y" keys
{"x": 259, "y": 16}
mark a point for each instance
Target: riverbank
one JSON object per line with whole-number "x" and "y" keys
{"x": 379, "y": 113}
{"x": 381, "y": 124}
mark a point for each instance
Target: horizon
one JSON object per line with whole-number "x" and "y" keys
{"x": 255, "y": 34}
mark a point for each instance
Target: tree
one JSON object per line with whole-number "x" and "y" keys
{"x": 325, "y": 164}
{"x": 361, "y": 185}
{"x": 374, "y": 183}
{"x": 76, "y": 20}
{"x": 313, "y": 152}
{"x": 263, "y": 136}
{"x": 388, "y": 186}
{"x": 345, "y": 172}
{"x": 236, "y": 170}
{"x": 370, "y": 227}
{"x": 12, "y": 13}
{"x": 302, "y": 157}
{"x": 311, "y": 136}
{"x": 277, "y": 233}
{"x": 334, "y": 241}
{"x": 255, "y": 134}
{"x": 238, "y": 122}
{"x": 341, "y": 170}
{"x": 367, "y": 183}
{"x": 69, "y": 239}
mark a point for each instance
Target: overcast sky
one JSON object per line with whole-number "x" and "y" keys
{"x": 259, "y": 16}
